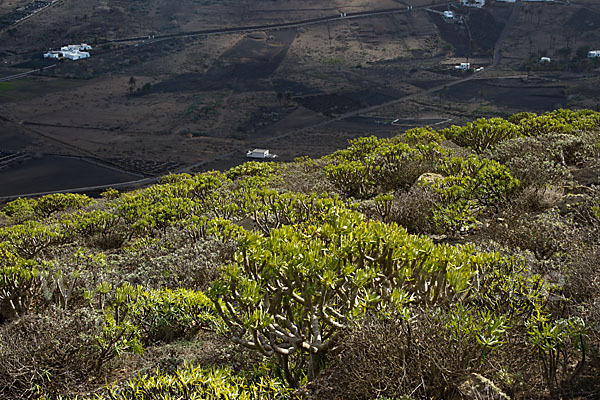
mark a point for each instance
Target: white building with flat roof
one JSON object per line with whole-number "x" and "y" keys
{"x": 70, "y": 51}
{"x": 260, "y": 153}
{"x": 53, "y": 54}
{"x": 593, "y": 54}
{"x": 76, "y": 55}
{"x": 76, "y": 47}
{"x": 463, "y": 66}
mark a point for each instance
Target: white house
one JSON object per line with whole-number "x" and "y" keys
{"x": 71, "y": 52}
{"x": 260, "y": 153}
{"x": 593, "y": 54}
{"x": 545, "y": 60}
{"x": 472, "y": 3}
{"x": 76, "y": 47}
{"x": 75, "y": 55}
{"x": 463, "y": 66}
{"x": 448, "y": 15}
{"x": 53, "y": 54}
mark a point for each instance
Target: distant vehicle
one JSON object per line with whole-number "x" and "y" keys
{"x": 545, "y": 60}
{"x": 479, "y": 69}
{"x": 260, "y": 153}
{"x": 448, "y": 15}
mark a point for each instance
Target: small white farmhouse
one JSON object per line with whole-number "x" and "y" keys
{"x": 260, "y": 153}
{"x": 71, "y": 52}
{"x": 76, "y": 47}
{"x": 593, "y": 54}
{"x": 53, "y": 54}
{"x": 472, "y": 3}
{"x": 545, "y": 60}
{"x": 463, "y": 66}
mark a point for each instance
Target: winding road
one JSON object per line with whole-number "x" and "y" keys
{"x": 24, "y": 74}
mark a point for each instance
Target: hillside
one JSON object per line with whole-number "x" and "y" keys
{"x": 459, "y": 263}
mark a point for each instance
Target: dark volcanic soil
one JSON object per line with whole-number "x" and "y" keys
{"x": 479, "y": 33}
{"x": 512, "y": 93}
{"x": 585, "y": 20}
{"x": 10, "y": 140}
{"x": 249, "y": 60}
{"x": 51, "y": 173}
{"x": 340, "y": 103}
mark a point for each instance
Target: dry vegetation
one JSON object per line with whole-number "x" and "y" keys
{"x": 452, "y": 264}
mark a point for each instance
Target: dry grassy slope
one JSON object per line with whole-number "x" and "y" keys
{"x": 85, "y": 20}
{"x": 10, "y": 5}
{"x": 536, "y": 30}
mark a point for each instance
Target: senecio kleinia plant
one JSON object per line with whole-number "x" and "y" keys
{"x": 290, "y": 293}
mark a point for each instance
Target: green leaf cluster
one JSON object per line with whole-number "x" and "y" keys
{"x": 196, "y": 383}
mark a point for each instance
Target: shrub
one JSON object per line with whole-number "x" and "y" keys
{"x": 560, "y": 122}
{"x": 137, "y": 317}
{"x": 31, "y": 238}
{"x": 559, "y": 345}
{"x": 271, "y": 210}
{"x": 430, "y": 355}
{"x": 252, "y": 169}
{"x": 544, "y": 234}
{"x": 154, "y": 209}
{"x": 482, "y": 134}
{"x": 52, "y": 203}
{"x": 425, "y": 136}
{"x": 290, "y": 294}
{"x": 51, "y": 353}
{"x": 530, "y": 161}
{"x": 103, "y": 229}
{"x": 22, "y": 209}
{"x": 370, "y": 165}
{"x": 414, "y": 209}
{"x": 19, "y": 210}
{"x": 472, "y": 186}
{"x": 21, "y": 282}
{"x": 192, "y": 382}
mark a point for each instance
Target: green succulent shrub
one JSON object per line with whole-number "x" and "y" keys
{"x": 482, "y": 134}
{"x": 196, "y": 383}
{"x": 291, "y": 293}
